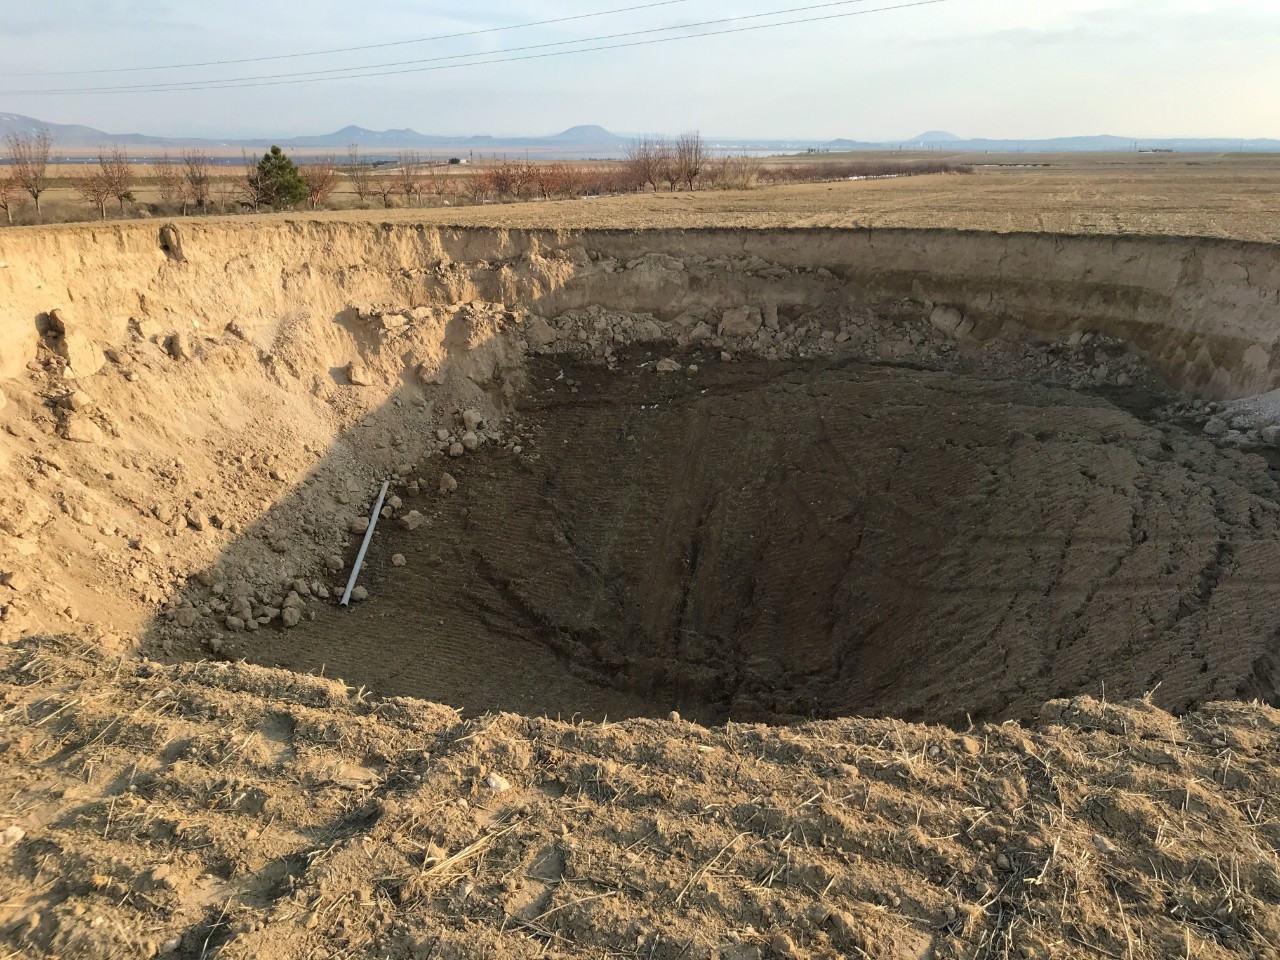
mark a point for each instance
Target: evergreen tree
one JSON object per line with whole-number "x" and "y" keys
{"x": 276, "y": 182}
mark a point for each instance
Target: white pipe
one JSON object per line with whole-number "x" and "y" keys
{"x": 364, "y": 547}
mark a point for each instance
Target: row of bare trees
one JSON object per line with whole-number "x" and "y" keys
{"x": 410, "y": 177}
{"x": 28, "y": 172}
{"x": 654, "y": 160}
{"x": 186, "y": 182}
{"x": 111, "y": 180}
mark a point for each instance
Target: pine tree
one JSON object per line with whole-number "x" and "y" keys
{"x": 276, "y": 182}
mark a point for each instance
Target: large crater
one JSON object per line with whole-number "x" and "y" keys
{"x": 757, "y": 477}
{"x": 774, "y": 541}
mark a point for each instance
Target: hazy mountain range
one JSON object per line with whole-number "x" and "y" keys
{"x": 590, "y": 140}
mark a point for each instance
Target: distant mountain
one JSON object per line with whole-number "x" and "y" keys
{"x": 594, "y": 141}
{"x": 69, "y": 134}
{"x": 589, "y": 134}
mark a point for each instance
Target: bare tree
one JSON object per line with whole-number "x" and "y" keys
{"x": 169, "y": 181}
{"x": 197, "y": 179}
{"x": 321, "y": 179}
{"x": 741, "y": 171}
{"x": 666, "y": 166}
{"x": 94, "y": 184}
{"x": 438, "y": 182}
{"x": 690, "y": 156}
{"x": 384, "y": 187}
{"x": 408, "y": 176}
{"x": 641, "y": 158}
{"x": 228, "y": 193}
{"x": 30, "y": 155}
{"x": 9, "y": 190}
{"x": 116, "y": 168}
{"x": 359, "y": 173}
{"x": 713, "y": 171}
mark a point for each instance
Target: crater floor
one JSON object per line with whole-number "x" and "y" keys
{"x": 769, "y": 542}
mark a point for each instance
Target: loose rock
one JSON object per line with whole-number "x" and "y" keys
{"x": 358, "y": 374}
{"x": 80, "y": 429}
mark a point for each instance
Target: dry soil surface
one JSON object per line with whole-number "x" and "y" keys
{"x": 228, "y": 810}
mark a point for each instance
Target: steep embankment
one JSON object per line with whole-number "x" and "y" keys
{"x": 1203, "y": 311}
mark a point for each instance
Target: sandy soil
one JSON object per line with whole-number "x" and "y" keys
{"x": 226, "y": 810}
{"x": 849, "y": 507}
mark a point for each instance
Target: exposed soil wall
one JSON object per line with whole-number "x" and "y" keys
{"x": 189, "y": 444}
{"x": 1204, "y": 312}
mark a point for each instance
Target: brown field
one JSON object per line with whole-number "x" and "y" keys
{"x": 1182, "y": 195}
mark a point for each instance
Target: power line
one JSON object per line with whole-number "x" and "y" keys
{"x": 307, "y": 77}
{"x": 367, "y": 46}
{"x": 339, "y": 72}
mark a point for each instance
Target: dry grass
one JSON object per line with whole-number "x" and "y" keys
{"x": 1193, "y": 195}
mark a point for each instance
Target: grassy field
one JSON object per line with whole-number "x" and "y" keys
{"x": 1231, "y": 195}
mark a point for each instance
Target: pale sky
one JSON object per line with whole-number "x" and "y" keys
{"x": 977, "y": 68}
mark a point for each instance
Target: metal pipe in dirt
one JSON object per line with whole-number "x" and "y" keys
{"x": 364, "y": 547}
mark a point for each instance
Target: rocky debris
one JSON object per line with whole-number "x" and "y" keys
{"x": 456, "y": 449}
{"x": 740, "y": 322}
{"x": 448, "y": 483}
{"x": 179, "y": 346}
{"x": 358, "y": 526}
{"x": 668, "y": 365}
{"x": 83, "y": 356}
{"x": 951, "y": 321}
{"x": 171, "y": 242}
{"x": 358, "y": 374}
{"x": 412, "y": 520}
{"x": 15, "y": 580}
{"x": 470, "y": 441}
{"x": 77, "y": 401}
{"x": 539, "y": 333}
{"x": 497, "y": 783}
{"x": 398, "y": 560}
{"x": 360, "y": 593}
{"x": 700, "y": 333}
{"x": 78, "y": 428}
{"x": 1215, "y": 427}
{"x": 472, "y": 420}
{"x": 290, "y": 616}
